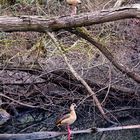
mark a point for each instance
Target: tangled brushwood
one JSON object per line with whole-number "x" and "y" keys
{"x": 96, "y": 66}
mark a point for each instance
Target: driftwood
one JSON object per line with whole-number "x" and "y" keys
{"x": 52, "y": 134}
{"x": 42, "y": 24}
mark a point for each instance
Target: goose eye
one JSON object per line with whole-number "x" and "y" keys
{"x": 74, "y": 104}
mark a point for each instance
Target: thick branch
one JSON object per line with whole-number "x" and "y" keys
{"x": 41, "y": 24}
{"x": 52, "y": 134}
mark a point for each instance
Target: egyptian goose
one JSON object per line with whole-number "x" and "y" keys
{"x": 68, "y": 119}
{"x": 73, "y": 4}
{"x": 4, "y": 116}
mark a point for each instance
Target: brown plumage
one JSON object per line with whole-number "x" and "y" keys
{"x": 69, "y": 118}
{"x": 73, "y": 4}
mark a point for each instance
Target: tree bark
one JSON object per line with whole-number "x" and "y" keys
{"x": 52, "y": 134}
{"x": 41, "y": 24}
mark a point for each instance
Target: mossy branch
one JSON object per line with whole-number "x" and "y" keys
{"x": 82, "y": 32}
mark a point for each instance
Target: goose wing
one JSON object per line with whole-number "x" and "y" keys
{"x": 59, "y": 121}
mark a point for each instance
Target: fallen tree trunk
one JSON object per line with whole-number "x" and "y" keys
{"x": 52, "y": 134}
{"x": 42, "y": 24}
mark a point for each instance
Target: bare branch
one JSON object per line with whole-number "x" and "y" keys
{"x": 52, "y": 134}
{"x": 41, "y": 24}
{"x": 82, "y": 32}
{"x": 18, "y": 102}
{"x": 79, "y": 78}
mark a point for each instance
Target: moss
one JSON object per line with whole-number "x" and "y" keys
{"x": 7, "y": 2}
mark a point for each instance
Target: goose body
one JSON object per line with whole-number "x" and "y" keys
{"x": 68, "y": 119}
{"x": 73, "y": 4}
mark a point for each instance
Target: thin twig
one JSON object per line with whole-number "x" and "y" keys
{"x": 20, "y": 103}
{"x": 79, "y": 78}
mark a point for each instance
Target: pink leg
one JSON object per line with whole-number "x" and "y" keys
{"x": 69, "y": 132}
{"x": 74, "y": 10}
